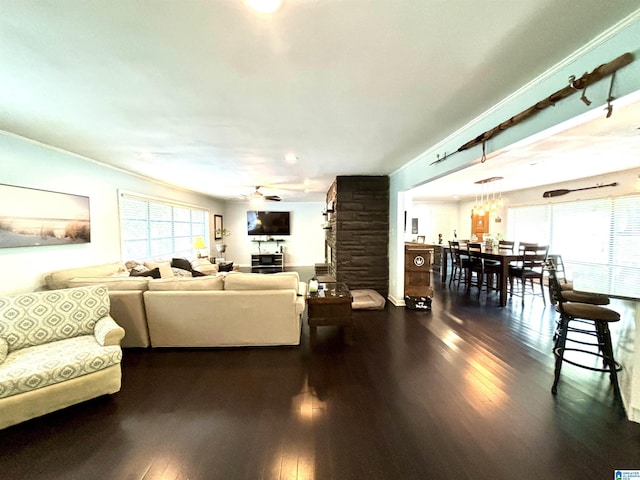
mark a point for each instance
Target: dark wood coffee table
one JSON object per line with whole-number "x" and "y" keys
{"x": 330, "y": 306}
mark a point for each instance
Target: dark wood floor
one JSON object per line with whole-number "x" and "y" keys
{"x": 462, "y": 391}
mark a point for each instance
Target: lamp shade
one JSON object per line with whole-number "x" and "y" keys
{"x": 199, "y": 243}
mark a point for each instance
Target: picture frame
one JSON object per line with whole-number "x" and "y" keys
{"x": 217, "y": 227}
{"x": 31, "y": 217}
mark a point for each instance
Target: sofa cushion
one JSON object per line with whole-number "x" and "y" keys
{"x": 58, "y": 279}
{"x": 31, "y": 319}
{"x": 4, "y": 349}
{"x": 54, "y": 362}
{"x": 112, "y": 283}
{"x": 259, "y": 281}
{"x": 209, "y": 282}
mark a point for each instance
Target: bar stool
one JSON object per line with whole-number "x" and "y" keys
{"x": 578, "y": 320}
{"x": 556, "y": 260}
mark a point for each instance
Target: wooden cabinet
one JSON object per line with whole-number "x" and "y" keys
{"x": 479, "y": 225}
{"x": 417, "y": 269}
{"x": 267, "y": 262}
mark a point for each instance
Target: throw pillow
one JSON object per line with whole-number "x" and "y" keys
{"x": 4, "y": 349}
{"x": 155, "y": 273}
{"x": 181, "y": 263}
{"x": 225, "y": 267}
{"x": 139, "y": 268}
{"x": 179, "y": 272}
{"x": 165, "y": 268}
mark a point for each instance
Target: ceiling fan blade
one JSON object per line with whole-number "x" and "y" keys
{"x": 273, "y": 198}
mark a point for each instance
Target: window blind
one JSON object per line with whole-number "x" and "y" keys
{"x": 531, "y": 223}
{"x": 152, "y": 228}
{"x": 598, "y": 239}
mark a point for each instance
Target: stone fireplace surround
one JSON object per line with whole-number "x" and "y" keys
{"x": 357, "y": 242}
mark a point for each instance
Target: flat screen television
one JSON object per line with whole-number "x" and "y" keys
{"x": 268, "y": 223}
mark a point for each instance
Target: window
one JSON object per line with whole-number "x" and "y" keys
{"x": 151, "y": 228}
{"x": 596, "y": 238}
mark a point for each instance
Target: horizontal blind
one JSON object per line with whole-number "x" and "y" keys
{"x": 531, "y": 223}
{"x": 581, "y": 233}
{"x": 151, "y": 228}
{"x": 625, "y": 237}
{"x": 598, "y": 239}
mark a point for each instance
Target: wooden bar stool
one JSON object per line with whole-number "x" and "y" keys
{"x": 580, "y": 322}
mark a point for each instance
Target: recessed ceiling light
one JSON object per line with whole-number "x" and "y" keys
{"x": 265, "y": 6}
{"x": 291, "y": 158}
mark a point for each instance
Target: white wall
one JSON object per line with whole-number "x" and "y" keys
{"x": 304, "y": 247}
{"x": 433, "y": 218}
{"x": 29, "y": 164}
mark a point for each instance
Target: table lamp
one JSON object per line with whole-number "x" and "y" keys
{"x": 198, "y": 244}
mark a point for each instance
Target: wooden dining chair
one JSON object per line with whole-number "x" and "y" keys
{"x": 492, "y": 267}
{"x": 506, "y": 245}
{"x": 530, "y": 266}
{"x": 459, "y": 263}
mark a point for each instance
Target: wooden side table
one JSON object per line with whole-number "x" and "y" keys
{"x": 330, "y": 306}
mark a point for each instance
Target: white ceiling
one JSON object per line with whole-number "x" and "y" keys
{"x": 210, "y": 96}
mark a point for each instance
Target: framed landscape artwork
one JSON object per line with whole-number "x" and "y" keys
{"x": 33, "y": 218}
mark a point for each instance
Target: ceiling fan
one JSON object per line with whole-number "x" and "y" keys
{"x": 258, "y": 195}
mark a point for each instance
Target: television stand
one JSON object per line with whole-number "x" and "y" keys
{"x": 277, "y": 241}
{"x": 267, "y": 262}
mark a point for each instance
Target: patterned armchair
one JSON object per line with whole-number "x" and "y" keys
{"x": 57, "y": 348}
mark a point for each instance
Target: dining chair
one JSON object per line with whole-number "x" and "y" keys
{"x": 492, "y": 267}
{"x": 459, "y": 263}
{"x": 479, "y": 268}
{"x": 530, "y": 266}
{"x": 586, "y": 328}
{"x": 506, "y": 245}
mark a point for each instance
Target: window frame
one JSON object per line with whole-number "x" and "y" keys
{"x": 170, "y": 234}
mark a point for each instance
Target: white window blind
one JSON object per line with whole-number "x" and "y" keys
{"x": 531, "y": 223}
{"x": 598, "y": 239}
{"x": 151, "y": 228}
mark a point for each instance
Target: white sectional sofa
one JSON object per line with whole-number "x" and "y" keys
{"x": 228, "y": 309}
{"x": 237, "y": 309}
{"x": 125, "y": 293}
{"x": 57, "y": 348}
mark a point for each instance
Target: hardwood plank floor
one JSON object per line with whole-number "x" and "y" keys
{"x": 462, "y": 391}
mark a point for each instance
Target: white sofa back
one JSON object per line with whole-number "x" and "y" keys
{"x": 219, "y": 318}
{"x": 255, "y": 281}
{"x": 59, "y": 279}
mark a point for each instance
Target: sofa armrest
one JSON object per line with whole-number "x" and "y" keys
{"x": 108, "y": 332}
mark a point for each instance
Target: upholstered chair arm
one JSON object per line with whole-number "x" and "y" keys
{"x": 108, "y": 332}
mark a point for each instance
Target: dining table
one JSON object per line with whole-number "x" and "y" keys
{"x": 503, "y": 256}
